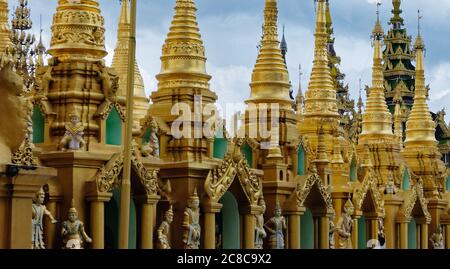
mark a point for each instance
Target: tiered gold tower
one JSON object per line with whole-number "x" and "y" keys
{"x": 120, "y": 63}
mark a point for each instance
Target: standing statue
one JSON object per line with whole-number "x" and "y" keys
{"x": 276, "y": 225}
{"x": 332, "y": 229}
{"x": 437, "y": 239}
{"x": 345, "y": 225}
{"x": 191, "y": 224}
{"x": 73, "y": 232}
{"x": 151, "y": 148}
{"x": 164, "y": 229}
{"x": 260, "y": 232}
{"x": 73, "y": 138}
{"x": 37, "y": 222}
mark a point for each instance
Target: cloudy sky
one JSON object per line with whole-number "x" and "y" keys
{"x": 231, "y": 30}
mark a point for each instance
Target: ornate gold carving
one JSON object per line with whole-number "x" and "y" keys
{"x": 369, "y": 186}
{"x": 234, "y": 164}
{"x": 304, "y": 188}
{"x": 107, "y": 176}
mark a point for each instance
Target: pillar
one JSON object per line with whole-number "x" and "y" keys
{"x": 324, "y": 233}
{"x": 209, "y": 224}
{"x": 355, "y": 234}
{"x": 424, "y": 236}
{"x": 392, "y": 205}
{"x": 294, "y": 231}
{"x": 97, "y": 219}
{"x": 403, "y": 240}
{"x": 51, "y": 230}
{"x": 249, "y": 226}
{"x": 148, "y": 205}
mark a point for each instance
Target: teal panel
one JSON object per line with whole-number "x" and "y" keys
{"x": 412, "y": 234}
{"x": 248, "y": 153}
{"x": 114, "y": 128}
{"x": 362, "y": 233}
{"x": 230, "y": 222}
{"x": 307, "y": 230}
{"x": 406, "y": 182}
{"x": 220, "y": 148}
{"x": 301, "y": 161}
{"x": 38, "y": 125}
{"x": 146, "y": 136}
{"x": 112, "y": 223}
{"x": 353, "y": 171}
{"x": 448, "y": 183}
{"x": 132, "y": 235}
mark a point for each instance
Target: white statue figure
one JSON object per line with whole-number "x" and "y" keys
{"x": 332, "y": 229}
{"x": 164, "y": 230}
{"x": 191, "y": 223}
{"x": 73, "y": 231}
{"x": 260, "y": 232}
{"x": 437, "y": 239}
{"x": 37, "y": 222}
{"x": 344, "y": 226}
{"x": 276, "y": 226}
{"x": 73, "y": 138}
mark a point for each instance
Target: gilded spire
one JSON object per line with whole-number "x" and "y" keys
{"x": 78, "y": 31}
{"x": 283, "y": 46}
{"x": 299, "y": 98}
{"x": 329, "y": 23}
{"x": 420, "y": 128}
{"x": 120, "y": 64}
{"x": 396, "y": 19}
{"x": 321, "y": 96}
{"x": 270, "y": 79}
{"x": 377, "y": 120}
{"x": 4, "y": 26}
{"x": 184, "y": 47}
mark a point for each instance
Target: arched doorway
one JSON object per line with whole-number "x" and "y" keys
{"x": 406, "y": 185}
{"x": 247, "y": 151}
{"x": 353, "y": 171}
{"x": 307, "y": 230}
{"x": 229, "y": 222}
{"x": 301, "y": 161}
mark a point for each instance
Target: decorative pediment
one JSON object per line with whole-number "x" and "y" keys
{"x": 369, "y": 187}
{"x": 149, "y": 120}
{"x": 105, "y": 108}
{"x": 234, "y": 166}
{"x": 415, "y": 196}
{"x": 108, "y": 176}
{"x": 305, "y": 186}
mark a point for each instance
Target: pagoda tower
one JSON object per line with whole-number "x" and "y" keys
{"x": 183, "y": 86}
{"x": 120, "y": 63}
{"x": 398, "y": 69}
{"x": 76, "y": 84}
{"x": 320, "y": 98}
{"x": 377, "y": 121}
{"x": 421, "y": 152}
{"x": 270, "y": 119}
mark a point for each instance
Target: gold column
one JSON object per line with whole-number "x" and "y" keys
{"x": 403, "y": 244}
{"x": 209, "y": 221}
{"x": 424, "y": 236}
{"x": 97, "y": 219}
{"x": 355, "y": 234}
{"x": 392, "y": 205}
{"x": 294, "y": 231}
{"x": 249, "y": 226}
{"x": 51, "y": 230}
{"x": 125, "y": 191}
{"x": 324, "y": 234}
{"x": 147, "y": 221}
